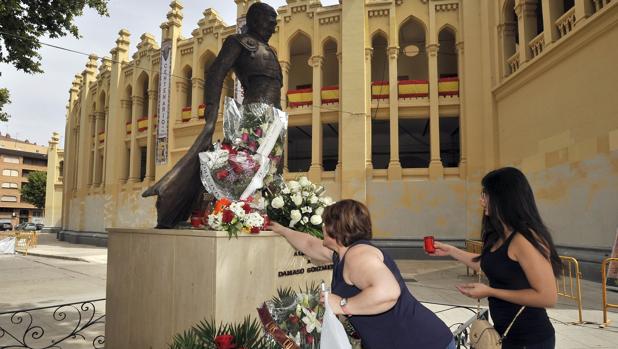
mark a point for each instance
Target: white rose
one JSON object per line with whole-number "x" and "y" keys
{"x": 306, "y": 194}
{"x": 305, "y": 220}
{"x": 285, "y": 190}
{"x": 277, "y": 202}
{"x": 297, "y": 199}
{"x": 294, "y": 186}
{"x": 304, "y": 182}
{"x": 319, "y": 211}
{"x": 316, "y": 220}
{"x": 295, "y": 216}
{"x": 327, "y": 200}
{"x": 313, "y": 199}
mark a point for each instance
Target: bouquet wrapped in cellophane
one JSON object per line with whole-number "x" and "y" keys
{"x": 251, "y": 152}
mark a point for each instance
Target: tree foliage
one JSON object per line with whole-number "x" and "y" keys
{"x": 4, "y": 99}
{"x": 23, "y": 22}
{"x": 34, "y": 190}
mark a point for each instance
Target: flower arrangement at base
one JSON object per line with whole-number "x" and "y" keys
{"x": 206, "y": 335}
{"x": 298, "y": 204}
{"x": 237, "y": 217}
{"x": 299, "y": 315}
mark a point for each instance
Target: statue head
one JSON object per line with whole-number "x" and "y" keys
{"x": 262, "y": 20}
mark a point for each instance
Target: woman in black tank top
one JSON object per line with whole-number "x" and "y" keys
{"x": 519, "y": 259}
{"x": 367, "y": 285}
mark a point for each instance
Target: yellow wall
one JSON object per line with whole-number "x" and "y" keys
{"x": 553, "y": 116}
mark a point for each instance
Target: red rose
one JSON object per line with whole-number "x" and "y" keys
{"x": 255, "y": 230}
{"x": 222, "y": 174}
{"x": 226, "y": 146}
{"x": 236, "y": 167}
{"x": 266, "y": 222}
{"x": 294, "y": 319}
{"x": 245, "y": 137}
{"x": 253, "y": 145}
{"x": 225, "y": 341}
{"x": 309, "y": 339}
{"x": 227, "y": 216}
{"x": 247, "y": 208}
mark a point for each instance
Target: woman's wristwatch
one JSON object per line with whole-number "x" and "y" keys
{"x": 342, "y": 303}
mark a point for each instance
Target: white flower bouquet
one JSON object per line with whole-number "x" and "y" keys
{"x": 298, "y": 204}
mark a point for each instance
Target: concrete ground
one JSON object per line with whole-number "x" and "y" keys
{"x": 57, "y": 272}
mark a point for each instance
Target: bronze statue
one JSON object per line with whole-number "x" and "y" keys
{"x": 257, "y": 67}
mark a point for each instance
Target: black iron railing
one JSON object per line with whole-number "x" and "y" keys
{"x": 50, "y": 327}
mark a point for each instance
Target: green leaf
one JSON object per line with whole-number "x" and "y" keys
{"x": 34, "y": 190}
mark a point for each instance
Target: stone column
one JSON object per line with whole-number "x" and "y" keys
{"x": 107, "y": 132}
{"x": 315, "y": 170}
{"x": 339, "y": 115}
{"x": 353, "y": 102}
{"x": 285, "y": 70}
{"x": 84, "y": 177}
{"x": 197, "y": 84}
{"x": 526, "y": 16}
{"x": 368, "y": 138}
{"x": 551, "y": 11}
{"x": 124, "y": 156}
{"x": 116, "y": 135}
{"x": 583, "y": 10}
{"x": 462, "y": 121}
{"x": 134, "y": 151}
{"x": 52, "y": 201}
{"x": 96, "y": 163}
{"x": 394, "y": 166}
{"x": 150, "y": 137}
{"x": 436, "y": 170}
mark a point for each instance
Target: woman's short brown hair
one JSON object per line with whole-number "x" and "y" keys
{"x": 347, "y": 221}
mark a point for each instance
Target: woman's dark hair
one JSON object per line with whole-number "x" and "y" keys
{"x": 347, "y": 221}
{"x": 511, "y": 204}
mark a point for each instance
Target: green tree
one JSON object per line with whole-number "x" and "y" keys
{"x": 34, "y": 190}
{"x": 4, "y": 99}
{"x": 23, "y": 22}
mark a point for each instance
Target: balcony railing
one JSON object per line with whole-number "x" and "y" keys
{"x": 200, "y": 111}
{"x": 566, "y": 22}
{"x": 300, "y": 98}
{"x": 599, "y": 4}
{"x": 128, "y": 127}
{"x": 413, "y": 88}
{"x": 537, "y": 45}
{"x": 379, "y": 90}
{"x": 448, "y": 86}
{"x": 513, "y": 62}
{"x": 185, "y": 114}
{"x": 142, "y": 124}
{"x": 330, "y": 94}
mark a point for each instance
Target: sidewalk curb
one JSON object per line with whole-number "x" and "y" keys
{"x": 35, "y": 254}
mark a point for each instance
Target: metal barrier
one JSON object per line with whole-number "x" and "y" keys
{"x": 473, "y": 246}
{"x": 569, "y": 285}
{"x": 606, "y": 305}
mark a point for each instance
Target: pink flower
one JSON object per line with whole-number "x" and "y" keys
{"x": 258, "y": 132}
{"x": 245, "y": 137}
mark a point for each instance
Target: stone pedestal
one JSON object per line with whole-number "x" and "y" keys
{"x": 161, "y": 282}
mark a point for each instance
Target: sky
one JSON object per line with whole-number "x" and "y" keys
{"x": 39, "y": 101}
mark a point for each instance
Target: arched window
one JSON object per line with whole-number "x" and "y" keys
{"x": 412, "y": 38}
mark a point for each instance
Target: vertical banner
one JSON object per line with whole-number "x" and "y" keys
{"x": 612, "y": 269}
{"x": 165, "y": 74}
{"x": 241, "y": 28}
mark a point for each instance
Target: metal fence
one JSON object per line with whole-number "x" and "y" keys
{"x": 55, "y": 326}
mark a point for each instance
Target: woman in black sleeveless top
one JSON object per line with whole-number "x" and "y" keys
{"x": 518, "y": 258}
{"x": 367, "y": 285}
